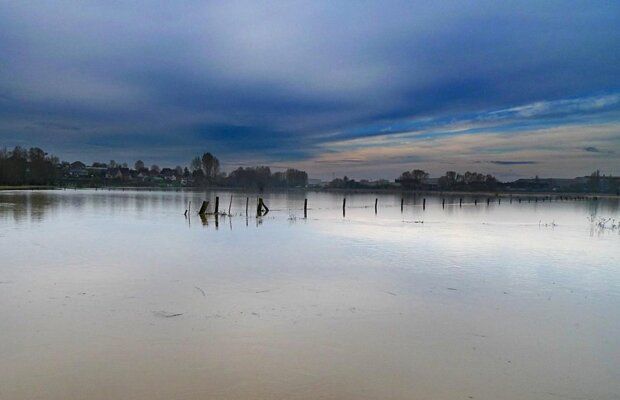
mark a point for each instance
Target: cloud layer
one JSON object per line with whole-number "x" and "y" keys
{"x": 324, "y": 85}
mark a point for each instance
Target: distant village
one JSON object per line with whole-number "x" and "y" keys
{"x": 34, "y": 167}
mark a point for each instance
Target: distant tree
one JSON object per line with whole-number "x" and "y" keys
{"x": 178, "y": 170}
{"x": 279, "y": 179}
{"x": 210, "y": 166}
{"x": 138, "y": 165}
{"x": 41, "y": 168}
{"x": 594, "y": 181}
{"x": 155, "y": 169}
{"x": 17, "y": 165}
{"x": 258, "y": 177}
{"x": 448, "y": 181}
{"x": 113, "y": 164}
{"x": 412, "y": 179}
{"x": 99, "y": 165}
{"x": 23, "y": 167}
{"x": 198, "y": 175}
{"x": 295, "y": 177}
{"x": 196, "y": 164}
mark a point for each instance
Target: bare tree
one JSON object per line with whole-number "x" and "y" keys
{"x": 210, "y": 165}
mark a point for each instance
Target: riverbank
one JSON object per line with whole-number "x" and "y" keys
{"x": 503, "y": 193}
{"x": 28, "y": 187}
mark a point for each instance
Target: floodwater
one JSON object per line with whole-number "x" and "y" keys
{"x": 117, "y": 295}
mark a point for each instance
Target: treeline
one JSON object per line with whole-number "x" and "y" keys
{"x": 468, "y": 181}
{"x": 27, "y": 167}
{"x": 347, "y": 183}
{"x": 206, "y": 171}
{"x": 35, "y": 167}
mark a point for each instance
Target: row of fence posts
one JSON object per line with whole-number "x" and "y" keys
{"x": 262, "y": 209}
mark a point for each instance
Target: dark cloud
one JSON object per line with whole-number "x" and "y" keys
{"x": 592, "y": 149}
{"x": 513, "y": 162}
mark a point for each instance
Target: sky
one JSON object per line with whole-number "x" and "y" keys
{"x": 366, "y": 89}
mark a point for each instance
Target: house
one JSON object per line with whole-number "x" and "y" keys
{"x": 168, "y": 174}
{"x": 78, "y": 169}
{"x": 113, "y": 173}
{"x": 125, "y": 173}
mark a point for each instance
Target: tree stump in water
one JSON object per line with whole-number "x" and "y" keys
{"x": 203, "y": 208}
{"x": 260, "y": 207}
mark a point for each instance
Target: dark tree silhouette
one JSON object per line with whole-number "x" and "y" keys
{"x": 196, "y": 164}
{"x": 210, "y": 166}
{"x": 412, "y": 179}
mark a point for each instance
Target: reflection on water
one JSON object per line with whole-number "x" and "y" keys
{"x": 116, "y": 294}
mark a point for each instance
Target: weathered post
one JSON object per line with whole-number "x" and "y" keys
{"x": 247, "y": 203}
{"x": 443, "y": 203}
{"x": 488, "y": 201}
{"x": 475, "y": 202}
{"x": 424, "y": 204}
{"x": 305, "y": 208}
{"x": 217, "y": 205}
{"x": 402, "y": 203}
{"x": 344, "y": 205}
{"x": 460, "y": 202}
{"x": 203, "y": 208}
{"x": 499, "y": 200}
{"x": 263, "y": 205}
{"x": 230, "y": 204}
{"x": 376, "y": 201}
{"x": 260, "y": 206}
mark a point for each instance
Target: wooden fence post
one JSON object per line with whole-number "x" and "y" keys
{"x": 203, "y": 208}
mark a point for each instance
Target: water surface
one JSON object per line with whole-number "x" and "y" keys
{"x": 115, "y": 294}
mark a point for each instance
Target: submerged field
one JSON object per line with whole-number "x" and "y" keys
{"x": 115, "y": 294}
